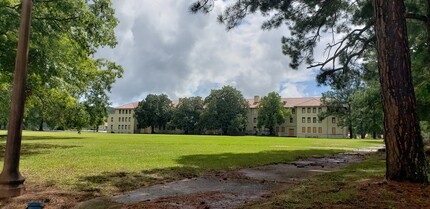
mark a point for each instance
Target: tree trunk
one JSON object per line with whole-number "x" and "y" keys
{"x": 374, "y": 135}
{"x": 404, "y": 145}
{"x": 152, "y": 129}
{"x": 350, "y": 131}
{"x": 41, "y": 125}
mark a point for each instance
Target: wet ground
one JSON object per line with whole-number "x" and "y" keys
{"x": 229, "y": 189}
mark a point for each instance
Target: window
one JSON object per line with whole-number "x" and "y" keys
{"x": 303, "y": 110}
{"x": 333, "y": 120}
{"x": 111, "y": 119}
{"x": 119, "y": 119}
{"x": 314, "y": 130}
{"x": 282, "y": 129}
{"x": 309, "y": 119}
{"x": 333, "y": 130}
{"x": 319, "y": 109}
{"x": 255, "y": 120}
{"x": 119, "y": 127}
{"x": 293, "y": 111}
{"x": 314, "y": 120}
{"x": 291, "y": 120}
{"x": 309, "y": 129}
{"x": 319, "y": 121}
{"x": 111, "y": 127}
{"x": 309, "y": 110}
{"x": 122, "y": 126}
{"x": 303, "y": 130}
{"x": 303, "y": 120}
{"x": 320, "y": 130}
{"x": 314, "y": 110}
{"x": 125, "y": 126}
{"x": 129, "y": 119}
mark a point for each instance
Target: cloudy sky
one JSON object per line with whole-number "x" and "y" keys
{"x": 163, "y": 48}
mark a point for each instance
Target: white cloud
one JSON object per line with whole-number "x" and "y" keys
{"x": 163, "y": 48}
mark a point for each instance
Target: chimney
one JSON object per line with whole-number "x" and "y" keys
{"x": 256, "y": 99}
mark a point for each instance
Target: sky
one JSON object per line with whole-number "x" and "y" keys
{"x": 164, "y": 48}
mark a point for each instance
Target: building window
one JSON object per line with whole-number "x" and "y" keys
{"x": 319, "y": 120}
{"x": 309, "y": 110}
{"x": 111, "y": 127}
{"x": 303, "y": 110}
{"x": 129, "y": 119}
{"x": 119, "y": 119}
{"x": 333, "y": 120}
{"x": 319, "y": 109}
{"x": 314, "y": 120}
{"x": 309, "y": 129}
{"x": 282, "y": 129}
{"x": 126, "y": 127}
{"x": 303, "y": 120}
{"x": 309, "y": 119}
{"x": 293, "y": 111}
{"x": 111, "y": 119}
{"x": 119, "y": 127}
{"x": 314, "y": 130}
{"x": 303, "y": 130}
{"x": 333, "y": 130}
{"x": 320, "y": 130}
{"x": 314, "y": 110}
{"x": 291, "y": 120}
{"x": 255, "y": 120}
{"x": 122, "y": 126}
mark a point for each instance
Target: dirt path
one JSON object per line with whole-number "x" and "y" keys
{"x": 226, "y": 190}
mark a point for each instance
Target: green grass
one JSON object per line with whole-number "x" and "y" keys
{"x": 111, "y": 163}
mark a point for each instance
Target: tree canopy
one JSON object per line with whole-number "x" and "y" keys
{"x": 64, "y": 38}
{"x": 271, "y": 112}
{"x": 154, "y": 111}
{"x": 226, "y": 109}
{"x": 186, "y": 115}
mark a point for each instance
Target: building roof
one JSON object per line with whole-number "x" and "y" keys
{"x": 289, "y": 102}
{"x": 128, "y": 106}
{"x": 293, "y": 102}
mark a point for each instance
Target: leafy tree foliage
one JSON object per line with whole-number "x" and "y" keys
{"x": 271, "y": 112}
{"x": 154, "y": 111}
{"x": 64, "y": 37}
{"x": 226, "y": 109}
{"x": 186, "y": 115}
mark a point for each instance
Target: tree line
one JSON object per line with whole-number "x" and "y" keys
{"x": 224, "y": 109}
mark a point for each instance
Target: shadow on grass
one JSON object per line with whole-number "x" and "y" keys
{"x": 191, "y": 166}
{"x": 29, "y": 138}
{"x": 34, "y": 148}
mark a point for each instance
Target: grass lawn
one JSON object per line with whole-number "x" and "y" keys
{"x": 109, "y": 163}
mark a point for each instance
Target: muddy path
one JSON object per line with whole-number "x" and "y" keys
{"x": 227, "y": 189}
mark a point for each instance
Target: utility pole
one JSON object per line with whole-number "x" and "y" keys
{"x": 11, "y": 181}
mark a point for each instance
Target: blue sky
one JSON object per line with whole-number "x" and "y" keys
{"x": 163, "y": 48}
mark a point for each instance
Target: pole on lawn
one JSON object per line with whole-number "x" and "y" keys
{"x": 11, "y": 181}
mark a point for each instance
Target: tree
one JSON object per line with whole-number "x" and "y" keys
{"x": 356, "y": 22}
{"x": 403, "y": 140}
{"x": 225, "y": 107}
{"x": 271, "y": 112}
{"x": 186, "y": 115}
{"x": 154, "y": 111}
{"x": 61, "y": 53}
